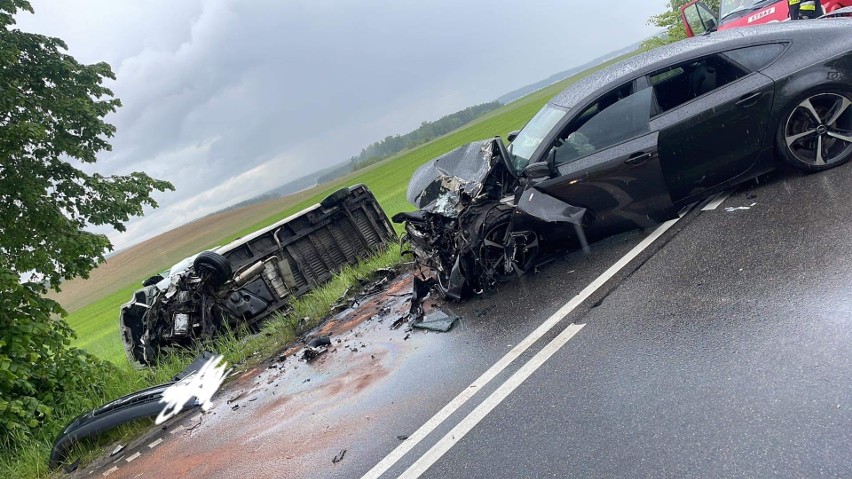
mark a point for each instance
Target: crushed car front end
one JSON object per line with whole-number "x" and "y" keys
{"x": 470, "y": 231}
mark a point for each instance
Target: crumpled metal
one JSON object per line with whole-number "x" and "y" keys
{"x": 547, "y": 208}
{"x": 437, "y": 186}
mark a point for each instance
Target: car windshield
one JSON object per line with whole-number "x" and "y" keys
{"x": 731, "y": 7}
{"x": 527, "y": 141}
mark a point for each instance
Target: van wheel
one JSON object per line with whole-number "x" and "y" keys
{"x": 816, "y": 133}
{"x": 335, "y": 198}
{"x": 212, "y": 267}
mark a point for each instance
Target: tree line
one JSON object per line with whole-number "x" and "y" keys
{"x": 428, "y": 130}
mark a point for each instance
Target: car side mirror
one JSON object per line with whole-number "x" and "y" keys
{"x": 512, "y": 135}
{"x": 535, "y": 171}
{"x": 698, "y": 19}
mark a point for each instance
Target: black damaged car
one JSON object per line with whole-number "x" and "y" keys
{"x": 630, "y": 145}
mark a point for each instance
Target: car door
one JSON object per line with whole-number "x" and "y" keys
{"x": 713, "y": 118}
{"x": 608, "y": 162}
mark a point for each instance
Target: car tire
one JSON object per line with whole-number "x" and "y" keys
{"x": 213, "y": 268}
{"x": 812, "y": 136}
{"x": 335, "y": 198}
{"x": 131, "y": 336}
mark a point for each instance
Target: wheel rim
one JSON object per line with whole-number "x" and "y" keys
{"x": 819, "y": 130}
{"x": 493, "y": 253}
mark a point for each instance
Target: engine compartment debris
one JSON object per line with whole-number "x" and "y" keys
{"x": 465, "y": 232}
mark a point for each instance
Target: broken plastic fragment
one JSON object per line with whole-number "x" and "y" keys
{"x": 438, "y": 321}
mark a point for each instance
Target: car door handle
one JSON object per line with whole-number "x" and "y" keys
{"x": 749, "y": 100}
{"x": 637, "y": 159}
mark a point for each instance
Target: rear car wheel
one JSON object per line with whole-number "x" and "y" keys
{"x": 816, "y": 133}
{"x": 212, "y": 267}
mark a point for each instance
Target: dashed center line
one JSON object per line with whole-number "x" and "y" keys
{"x": 155, "y": 443}
{"x": 133, "y": 457}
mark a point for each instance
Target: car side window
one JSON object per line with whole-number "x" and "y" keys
{"x": 614, "y": 118}
{"x": 757, "y": 57}
{"x": 678, "y": 84}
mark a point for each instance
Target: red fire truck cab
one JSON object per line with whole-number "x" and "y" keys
{"x": 698, "y": 18}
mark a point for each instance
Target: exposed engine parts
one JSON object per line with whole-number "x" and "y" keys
{"x": 247, "y": 280}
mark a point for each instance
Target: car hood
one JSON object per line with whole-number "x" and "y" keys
{"x": 438, "y": 186}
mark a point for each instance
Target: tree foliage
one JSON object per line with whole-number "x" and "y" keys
{"x": 52, "y": 125}
{"x": 671, "y": 21}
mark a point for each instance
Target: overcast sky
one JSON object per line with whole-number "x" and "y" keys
{"x": 227, "y": 99}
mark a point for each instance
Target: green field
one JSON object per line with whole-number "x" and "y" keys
{"x": 97, "y": 324}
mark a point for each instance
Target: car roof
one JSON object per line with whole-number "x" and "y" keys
{"x": 636, "y": 66}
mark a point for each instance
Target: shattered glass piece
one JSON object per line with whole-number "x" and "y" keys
{"x": 438, "y": 321}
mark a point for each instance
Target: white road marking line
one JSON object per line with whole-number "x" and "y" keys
{"x": 478, "y": 414}
{"x": 110, "y": 471}
{"x": 134, "y": 457}
{"x": 155, "y": 443}
{"x": 717, "y": 201}
{"x": 504, "y": 362}
{"x": 177, "y": 429}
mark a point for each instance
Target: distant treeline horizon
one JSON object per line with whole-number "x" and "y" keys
{"x": 426, "y": 132}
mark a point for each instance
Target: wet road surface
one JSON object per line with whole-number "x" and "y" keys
{"x": 722, "y": 349}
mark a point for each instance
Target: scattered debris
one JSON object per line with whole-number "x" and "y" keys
{"x": 339, "y": 457}
{"x": 234, "y": 398}
{"x": 396, "y": 324}
{"x": 118, "y": 448}
{"x": 235, "y": 407}
{"x": 319, "y": 341}
{"x": 316, "y": 347}
{"x": 438, "y": 321}
{"x": 422, "y": 289}
{"x": 402, "y": 438}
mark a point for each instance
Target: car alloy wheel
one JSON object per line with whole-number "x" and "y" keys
{"x": 818, "y": 131}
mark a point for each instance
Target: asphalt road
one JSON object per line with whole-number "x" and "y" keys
{"x": 723, "y": 348}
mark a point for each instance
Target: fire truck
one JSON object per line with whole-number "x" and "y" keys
{"x": 698, "y": 18}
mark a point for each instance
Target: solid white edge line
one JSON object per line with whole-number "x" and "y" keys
{"x": 498, "y": 367}
{"x": 717, "y": 201}
{"x": 478, "y": 414}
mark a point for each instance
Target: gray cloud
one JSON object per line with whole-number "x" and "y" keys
{"x": 227, "y": 99}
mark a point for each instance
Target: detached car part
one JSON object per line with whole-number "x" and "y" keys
{"x": 138, "y": 405}
{"x": 247, "y": 280}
